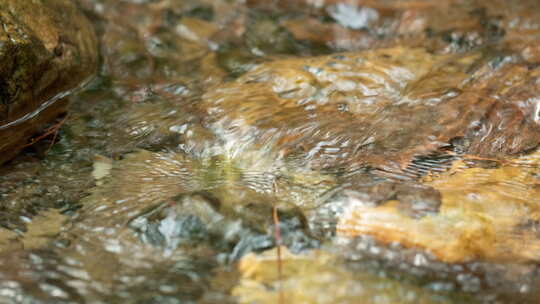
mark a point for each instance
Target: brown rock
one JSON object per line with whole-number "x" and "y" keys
{"x": 486, "y": 214}
{"x": 379, "y": 109}
{"x": 47, "y": 48}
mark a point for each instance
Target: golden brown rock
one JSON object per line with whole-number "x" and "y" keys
{"x": 47, "y": 48}
{"x": 305, "y": 275}
{"x": 378, "y": 109}
{"x": 486, "y": 214}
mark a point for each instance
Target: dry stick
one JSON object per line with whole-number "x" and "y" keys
{"x": 277, "y": 232}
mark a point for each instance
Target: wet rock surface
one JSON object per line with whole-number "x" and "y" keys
{"x": 380, "y": 108}
{"x": 47, "y": 48}
{"x": 393, "y": 159}
{"x": 306, "y": 274}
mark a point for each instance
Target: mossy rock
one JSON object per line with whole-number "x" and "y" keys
{"x": 47, "y": 48}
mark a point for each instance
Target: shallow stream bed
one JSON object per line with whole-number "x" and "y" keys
{"x": 395, "y": 143}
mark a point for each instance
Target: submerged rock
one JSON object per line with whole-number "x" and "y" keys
{"x": 486, "y": 214}
{"x": 47, "y": 49}
{"x": 361, "y": 130}
{"x": 305, "y": 275}
{"x": 379, "y": 109}
{"x": 419, "y": 156}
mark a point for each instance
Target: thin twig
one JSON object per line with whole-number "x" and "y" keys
{"x": 52, "y": 130}
{"x": 277, "y": 232}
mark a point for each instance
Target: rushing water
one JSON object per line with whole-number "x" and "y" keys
{"x": 399, "y": 151}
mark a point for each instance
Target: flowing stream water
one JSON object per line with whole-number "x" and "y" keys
{"x": 395, "y": 140}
